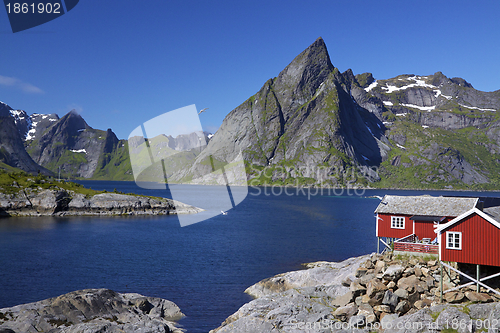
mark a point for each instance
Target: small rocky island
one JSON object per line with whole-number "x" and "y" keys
{"x": 93, "y": 311}
{"x": 22, "y": 194}
{"x": 63, "y": 203}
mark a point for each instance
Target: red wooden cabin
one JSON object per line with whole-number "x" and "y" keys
{"x": 408, "y": 220}
{"x": 471, "y": 238}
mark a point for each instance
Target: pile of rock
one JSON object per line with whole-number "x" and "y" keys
{"x": 386, "y": 287}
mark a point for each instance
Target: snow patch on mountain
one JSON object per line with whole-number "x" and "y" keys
{"x": 35, "y": 120}
{"x": 476, "y": 108}
{"x": 22, "y": 120}
{"x": 31, "y": 133}
{"x": 371, "y": 86}
{"x": 418, "y": 83}
{"x": 423, "y": 108}
{"x": 320, "y": 89}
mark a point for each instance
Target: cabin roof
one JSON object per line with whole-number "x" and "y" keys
{"x": 425, "y": 205}
{"x": 474, "y": 210}
{"x": 493, "y": 212}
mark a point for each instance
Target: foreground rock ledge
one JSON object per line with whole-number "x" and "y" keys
{"x": 93, "y": 311}
{"x": 370, "y": 293}
{"x": 68, "y": 203}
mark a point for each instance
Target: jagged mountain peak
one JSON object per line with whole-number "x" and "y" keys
{"x": 364, "y": 79}
{"x": 303, "y": 118}
{"x": 72, "y": 122}
{"x": 306, "y": 71}
{"x": 4, "y": 110}
{"x": 461, "y": 82}
{"x": 70, "y": 143}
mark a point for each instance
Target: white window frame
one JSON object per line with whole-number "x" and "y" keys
{"x": 395, "y": 222}
{"x": 453, "y": 234}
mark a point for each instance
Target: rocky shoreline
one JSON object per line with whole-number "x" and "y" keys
{"x": 59, "y": 202}
{"x": 371, "y": 293}
{"x": 364, "y": 294}
{"x": 93, "y": 311}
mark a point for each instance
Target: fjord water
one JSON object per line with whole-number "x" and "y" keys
{"x": 205, "y": 267}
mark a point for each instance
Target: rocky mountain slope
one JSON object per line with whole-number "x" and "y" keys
{"x": 12, "y": 152}
{"x": 73, "y": 146}
{"x": 313, "y": 124}
{"x": 443, "y": 132}
{"x": 70, "y": 147}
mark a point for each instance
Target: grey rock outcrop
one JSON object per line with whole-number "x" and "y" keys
{"x": 282, "y": 307}
{"x": 59, "y": 202}
{"x": 288, "y": 301}
{"x": 317, "y": 274}
{"x": 93, "y": 311}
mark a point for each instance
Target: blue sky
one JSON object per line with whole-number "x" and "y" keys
{"x": 121, "y": 63}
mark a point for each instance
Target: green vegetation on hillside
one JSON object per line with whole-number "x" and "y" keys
{"x": 426, "y": 160}
{"x": 115, "y": 165}
{"x": 13, "y": 182}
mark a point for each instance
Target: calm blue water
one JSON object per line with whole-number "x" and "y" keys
{"x": 204, "y": 268}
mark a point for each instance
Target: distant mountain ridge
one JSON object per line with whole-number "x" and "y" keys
{"x": 66, "y": 146}
{"x": 69, "y": 147}
{"x": 311, "y": 124}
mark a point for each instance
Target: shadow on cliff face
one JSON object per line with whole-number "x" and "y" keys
{"x": 360, "y": 129}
